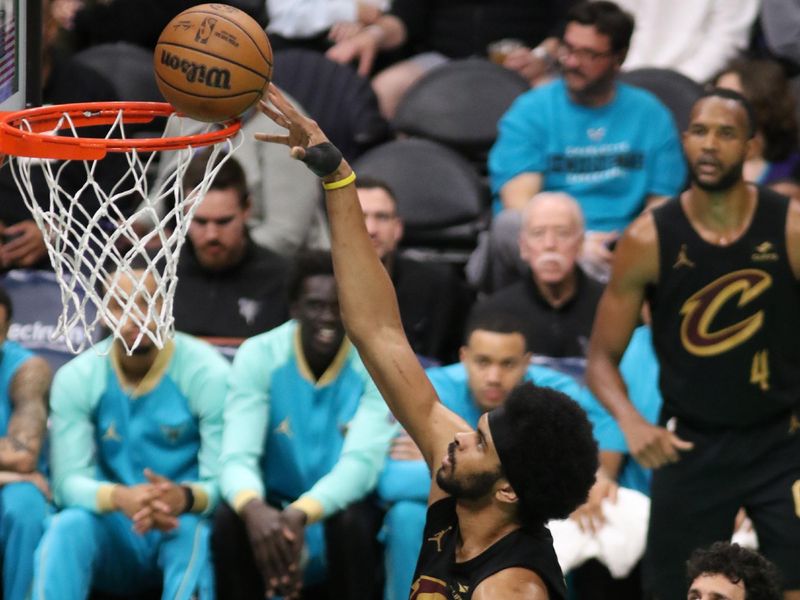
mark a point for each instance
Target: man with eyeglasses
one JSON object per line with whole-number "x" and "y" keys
{"x": 556, "y": 301}
{"x": 613, "y": 147}
{"x": 433, "y": 303}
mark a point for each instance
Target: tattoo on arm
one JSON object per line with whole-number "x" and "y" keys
{"x": 28, "y": 422}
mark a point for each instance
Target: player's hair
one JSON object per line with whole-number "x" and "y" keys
{"x": 608, "y": 18}
{"x": 306, "y": 264}
{"x": 726, "y": 94}
{"x": 370, "y": 183}
{"x": 547, "y": 451}
{"x": 230, "y": 176}
{"x": 488, "y": 318}
{"x": 5, "y": 300}
{"x": 766, "y": 86}
{"x": 760, "y": 577}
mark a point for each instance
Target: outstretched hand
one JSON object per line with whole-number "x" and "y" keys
{"x": 302, "y": 131}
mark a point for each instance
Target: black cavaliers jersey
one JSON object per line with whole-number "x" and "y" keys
{"x": 440, "y": 577}
{"x": 726, "y": 320}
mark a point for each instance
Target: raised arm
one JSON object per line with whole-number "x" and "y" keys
{"x": 20, "y": 448}
{"x": 366, "y": 295}
{"x": 635, "y": 267}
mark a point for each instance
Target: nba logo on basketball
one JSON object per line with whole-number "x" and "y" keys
{"x": 205, "y": 30}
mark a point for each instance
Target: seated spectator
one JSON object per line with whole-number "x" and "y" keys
{"x": 493, "y": 360}
{"x": 774, "y": 153}
{"x": 135, "y": 446}
{"x": 439, "y": 30}
{"x": 556, "y": 299}
{"x": 694, "y": 37}
{"x": 317, "y": 24}
{"x": 728, "y": 571}
{"x": 306, "y": 434}
{"x": 611, "y": 146}
{"x": 432, "y": 300}
{"x": 228, "y": 286}
{"x": 24, "y": 383}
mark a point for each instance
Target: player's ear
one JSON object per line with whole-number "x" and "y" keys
{"x": 505, "y": 493}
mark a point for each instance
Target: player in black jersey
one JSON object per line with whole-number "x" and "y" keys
{"x": 495, "y": 488}
{"x": 720, "y": 268}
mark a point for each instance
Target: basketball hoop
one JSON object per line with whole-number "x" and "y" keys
{"x": 86, "y": 247}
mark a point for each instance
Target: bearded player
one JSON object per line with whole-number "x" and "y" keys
{"x": 720, "y": 267}
{"x": 494, "y": 488}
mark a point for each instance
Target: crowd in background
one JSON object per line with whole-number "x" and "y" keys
{"x": 293, "y": 434}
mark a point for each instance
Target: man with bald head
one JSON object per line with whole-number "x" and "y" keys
{"x": 557, "y": 300}
{"x": 719, "y": 266}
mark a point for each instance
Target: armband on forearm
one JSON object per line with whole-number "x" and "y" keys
{"x": 323, "y": 159}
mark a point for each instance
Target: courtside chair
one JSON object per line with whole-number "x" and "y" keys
{"x": 127, "y": 67}
{"x": 676, "y": 91}
{"x": 459, "y": 105}
{"x": 335, "y": 96}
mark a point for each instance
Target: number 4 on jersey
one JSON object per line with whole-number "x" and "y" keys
{"x": 759, "y": 370}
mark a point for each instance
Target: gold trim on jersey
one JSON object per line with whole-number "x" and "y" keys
{"x": 701, "y": 308}
{"x": 333, "y": 370}
{"x": 152, "y": 378}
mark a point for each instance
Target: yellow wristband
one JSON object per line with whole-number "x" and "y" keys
{"x": 335, "y": 185}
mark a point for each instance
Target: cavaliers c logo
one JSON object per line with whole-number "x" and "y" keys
{"x": 702, "y": 307}
{"x": 428, "y": 588}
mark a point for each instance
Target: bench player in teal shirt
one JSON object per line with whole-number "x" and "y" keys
{"x": 24, "y": 382}
{"x": 135, "y": 446}
{"x": 494, "y": 359}
{"x": 306, "y": 435}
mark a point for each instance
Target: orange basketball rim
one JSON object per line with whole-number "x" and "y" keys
{"x": 33, "y": 132}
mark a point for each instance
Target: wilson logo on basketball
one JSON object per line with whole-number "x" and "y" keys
{"x": 213, "y": 77}
{"x": 699, "y": 311}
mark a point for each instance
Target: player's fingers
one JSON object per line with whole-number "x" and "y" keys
{"x": 680, "y": 444}
{"x": 161, "y": 506}
{"x": 272, "y": 138}
{"x": 278, "y": 559}
{"x": 273, "y": 114}
{"x": 142, "y": 514}
{"x": 143, "y": 523}
{"x": 646, "y": 458}
{"x": 298, "y": 152}
{"x": 286, "y": 555}
{"x": 166, "y": 522}
{"x": 668, "y": 451}
{"x": 282, "y": 103}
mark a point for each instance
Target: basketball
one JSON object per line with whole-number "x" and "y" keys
{"x": 213, "y": 62}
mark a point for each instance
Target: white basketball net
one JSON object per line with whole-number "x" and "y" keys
{"x": 102, "y": 258}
